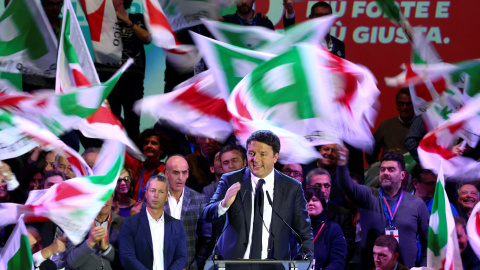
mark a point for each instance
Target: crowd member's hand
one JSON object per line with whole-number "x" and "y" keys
{"x": 96, "y": 234}
{"x": 288, "y": 5}
{"x": 342, "y": 153}
{"x": 459, "y": 149}
{"x": 123, "y": 18}
{"x": 231, "y": 194}
{"x": 56, "y": 247}
{"x": 263, "y": 16}
{"x": 103, "y": 244}
{"x": 5, "y": 171}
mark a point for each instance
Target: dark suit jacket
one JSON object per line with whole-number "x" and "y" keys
{"x": 192, "y": 207}
{"x": 342, "y": 217}
{"x": 136, "y": 248}
{"x": 288, "y": 202}
{"x": 83, "y": 257}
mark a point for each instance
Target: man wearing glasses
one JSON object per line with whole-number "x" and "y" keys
{"x": 320, "y": 178}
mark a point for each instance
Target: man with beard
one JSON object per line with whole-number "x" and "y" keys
{"x": 387, "y": 210}
{"x": 246, "y": 15}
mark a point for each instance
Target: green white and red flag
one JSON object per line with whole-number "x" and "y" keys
{"x": 435, "y": 148}
{"x": 16, "y": 254}
{"x": 75, "y": 67}
{"x": 473, "y": 229}
{"x": 181, "y": 56}
{"x": 442, "y": 251}
{"x": 73, "y": 204}
{"x": 104, "y": 30}
{"x": 27, "y": 135}
{"x": 195, "y": 107}
{"x": 27, "y": 42}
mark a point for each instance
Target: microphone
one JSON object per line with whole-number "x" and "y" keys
{"x": 303, "y": 256}
{"x": 215, "y": 255}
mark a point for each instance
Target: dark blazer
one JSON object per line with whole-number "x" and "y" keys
{"x": 342, "y": 217}
{"x": 192, "y": 207}
{"x": 136, "y": 248}
{"x": 288, "y": 202}
{"x": 83, "y": 257}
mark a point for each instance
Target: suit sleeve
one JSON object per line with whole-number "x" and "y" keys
{"x": 180, "y": 254}
{"x": 301, "y": 222}
{"x": 288, "y": 22}
{"x": 338, "y": 249}
{"x": 210, "y": 212}
{"x": 423, "y": 221}
{"x": 77, "y": 255}
{"x": 127, "y": 247}
{"x": 359, "y": 194}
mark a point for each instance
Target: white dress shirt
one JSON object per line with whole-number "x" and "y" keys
{"x": 157, "y": 231}
{"x": 175, "y": 207}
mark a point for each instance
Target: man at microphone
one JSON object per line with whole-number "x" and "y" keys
{"x": 258, "y": 201}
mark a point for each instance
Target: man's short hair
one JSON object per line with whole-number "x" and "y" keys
{"x": 160, "y": 178}
{"x": 317, "y": 171}
{"x": 418, "y": 173}
{"x": 52, "y": 173}
{"x": 165, "y": 142}
{"x": 232, "y": 147}
{"x": 387, "y": 241}
{"x": 266, "y": 137}
{"x": 394, "y": 157}
{"x": 127, "y": 3}
{"x": 404, "y": 91}
{"x": 91, "y": 150}
{"x": 320, "y": 4}
{"x": 460, "y": 221}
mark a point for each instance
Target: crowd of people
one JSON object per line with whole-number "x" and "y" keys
{"x": 194, "y": 199}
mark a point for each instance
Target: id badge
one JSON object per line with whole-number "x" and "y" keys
{"x": 393, "y": 232}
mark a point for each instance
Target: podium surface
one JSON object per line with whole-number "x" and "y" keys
{"x": 257, "y": 265}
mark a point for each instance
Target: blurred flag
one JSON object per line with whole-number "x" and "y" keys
{"x": 27, "y": 42}
{"x": 16, "y": 254}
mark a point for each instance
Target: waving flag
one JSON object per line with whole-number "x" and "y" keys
{"x": 182, "y": 57}
{"x": 102, "y": 21}
{"x": 73, "y": 204}
{"x": 27, "y": 42}
{"x": 74, "y": 65}
{"x": 473, "y": 229}
{"x": 17, "y": 255}
{"x": 195, "y": 107}
{"x": 27, "y": 133}
{"x": 435, "y": 147}
{"x": 443, "y": 251}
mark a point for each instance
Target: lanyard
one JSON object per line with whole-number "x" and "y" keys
{"x": 318, "y": 232}
{"x": 386, "y": 207}
{"x": 108, "y": 225}
{"x": 140, "y": 189}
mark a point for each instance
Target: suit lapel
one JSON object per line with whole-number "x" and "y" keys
{"x": 145, "y": 227}
{"x": 278, "y": 195}
{"x": 246, "y": 192}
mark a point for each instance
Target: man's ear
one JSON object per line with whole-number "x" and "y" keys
{"x": 403, "y": 174}
{"x": 212, "y": 169}
{"x": 395, "y": 255}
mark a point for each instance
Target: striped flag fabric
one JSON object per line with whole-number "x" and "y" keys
{"x": 182, "y": 57}
{"x": 72, "y": 204}
{"x": 442, "y": 249}
{"x": 435, "y": 148}
{"x": 195, "y": 107}
{"x": 104, "y": 30}
{"x": 75, "y": 67}
{"x": 27, "y": 42}
{"x": 17, "y": 255}
{"x": 473, "y": 229}
{"x": 27, "y": 134}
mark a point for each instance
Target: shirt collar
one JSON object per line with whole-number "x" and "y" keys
{"x": 151, "y": 219}
{"x": 170, "y": 196}
{"x": 269, "y": 179}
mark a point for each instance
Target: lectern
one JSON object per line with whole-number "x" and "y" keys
{"x": 257, "y": 265}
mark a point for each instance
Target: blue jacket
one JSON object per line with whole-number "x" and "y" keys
{"x": 136, "y": 248}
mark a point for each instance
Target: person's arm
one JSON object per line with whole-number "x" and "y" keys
{"x": 338, "y": 249}
{"x": 415, "y": 134}
{"x": 17, "y": 194}
{"x": 358, "y": 194}
{"x": 142, "y": 34}
{"x": 423, "y": 224}
{"x": 222, "y": 199}
{"x": 289, "y": 17}
{"x": 79, "y": 254}
{"x": 180, "y": 254}
{"x": 126, "y": 243}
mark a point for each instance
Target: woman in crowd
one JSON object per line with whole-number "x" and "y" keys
{"x": 123, "y": 203}
{"x": 154, "y": 146}
{"x": 329, "y": 243}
